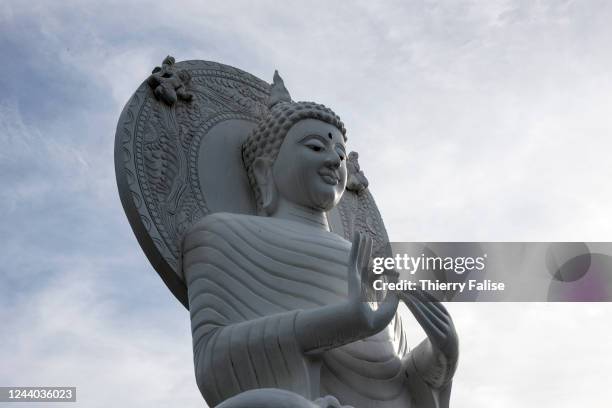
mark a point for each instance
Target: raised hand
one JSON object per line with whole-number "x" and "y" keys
{"x": 330, "y": 326}
{"x": 435, "y": 321}
{"x": 371, "y": 317}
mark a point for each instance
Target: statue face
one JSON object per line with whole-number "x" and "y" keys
{"x": 310, "y": 169}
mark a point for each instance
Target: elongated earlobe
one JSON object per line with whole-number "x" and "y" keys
{"x": 262, "y": 170}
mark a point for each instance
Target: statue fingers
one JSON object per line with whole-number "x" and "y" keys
{"x": 365, "y": 252}
{"x": 423, "y": 296}
{"x": 429, "y": 299}
{"x": 441, "y": 309}
{"x": 440, "y": 313}
{"x": 354, "y": 249}
{"x": 431, "y": 327}
{"x": 440, "y": 324}
{"x": 430, "y": 311}
{"x": 387, "y": 308}
{"x": 354, "y": 274}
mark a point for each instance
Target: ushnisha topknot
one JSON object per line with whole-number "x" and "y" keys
{"x": 267, "y": 137}
{"x": 278, "y": 92}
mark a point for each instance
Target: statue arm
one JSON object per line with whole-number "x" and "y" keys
{"x": 258, "y": 353}
{"x": 241, "y": 341}
{"x": 332, "y": 326}
{"x": 232, "y": 356}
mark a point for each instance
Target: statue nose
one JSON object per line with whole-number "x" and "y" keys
{"x": 333, "y": 162}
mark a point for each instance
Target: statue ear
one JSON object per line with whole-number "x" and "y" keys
{"x": 262, "y": 170}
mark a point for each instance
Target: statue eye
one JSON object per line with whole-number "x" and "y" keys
{"x": 315, "y": 145}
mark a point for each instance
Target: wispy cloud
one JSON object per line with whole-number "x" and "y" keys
{"x": 474, "y": 121}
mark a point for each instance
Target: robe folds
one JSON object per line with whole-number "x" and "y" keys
{"x": 248, "y": 277}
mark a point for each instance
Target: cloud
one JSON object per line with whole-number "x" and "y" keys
{"x": 77, "y": 330}
{"x": 530, "y": 354}
{"x": 474, "y": 121}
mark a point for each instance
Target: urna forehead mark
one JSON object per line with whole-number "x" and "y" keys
{"x": 311, "y": 127}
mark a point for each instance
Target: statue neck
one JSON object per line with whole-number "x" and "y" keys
{"x": 295, "y": 212}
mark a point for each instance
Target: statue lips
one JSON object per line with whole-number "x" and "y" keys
{"x": 329, "y": 177}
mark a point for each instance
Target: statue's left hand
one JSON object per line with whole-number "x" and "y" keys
{"x": 435, "y": 321}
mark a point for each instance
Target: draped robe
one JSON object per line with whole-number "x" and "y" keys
{"x": 248, "y": 277}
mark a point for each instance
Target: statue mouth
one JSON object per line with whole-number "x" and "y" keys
{"x": 330, "y": 178}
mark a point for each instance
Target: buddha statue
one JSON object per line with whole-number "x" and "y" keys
{"x": 275, "y": 298}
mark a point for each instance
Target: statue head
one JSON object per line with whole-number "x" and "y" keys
{"x": 297, "y": 153}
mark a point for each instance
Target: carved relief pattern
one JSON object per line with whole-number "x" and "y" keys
{"x": 358, "y": 212}
{"x": 357, "y": 208}
{"x": 162, "y": 157}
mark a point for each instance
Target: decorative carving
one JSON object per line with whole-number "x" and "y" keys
{"x": 357, "y": 181}
{"x": 359, "y": 213}
{"x": 169, "y": 83}
{"x": 157, "y": 154}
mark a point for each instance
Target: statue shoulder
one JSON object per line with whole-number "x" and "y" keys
{"x": 211, "y": 231}
{"x": 216, "y": 222}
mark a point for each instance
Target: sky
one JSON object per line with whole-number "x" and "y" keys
{"x": 474, "y": 120}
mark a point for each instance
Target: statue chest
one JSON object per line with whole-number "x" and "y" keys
{"x": 265, "y": 267}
